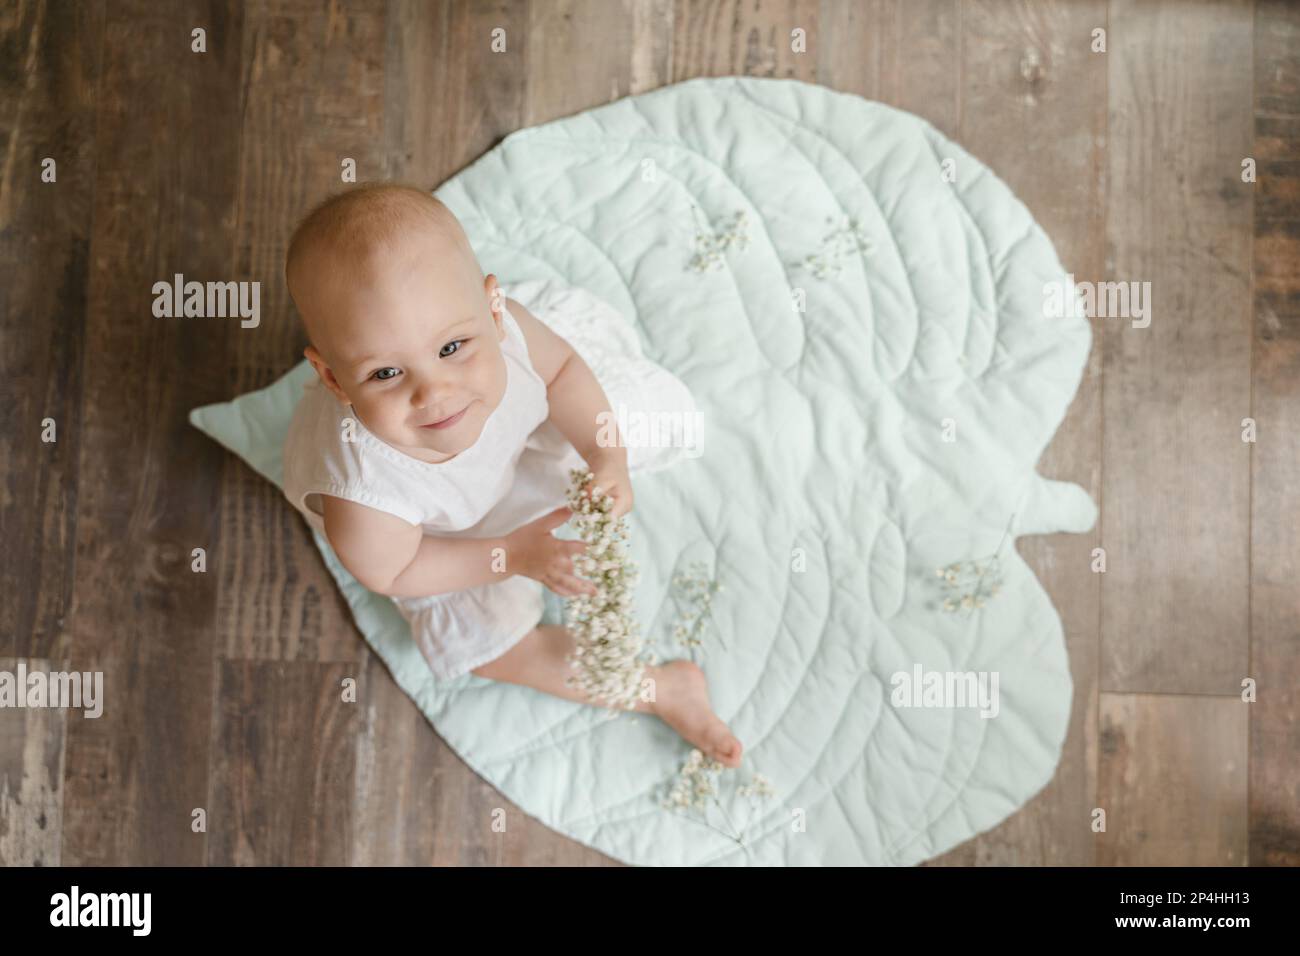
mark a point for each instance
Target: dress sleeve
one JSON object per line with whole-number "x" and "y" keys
{"x": 351, "y": 492}
{"x": 317, "y": 464}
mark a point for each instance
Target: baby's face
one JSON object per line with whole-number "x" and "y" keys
{"x": 412, "y": 343}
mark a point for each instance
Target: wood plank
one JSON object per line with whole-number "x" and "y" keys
{"x": 1042, "y": 131}
{"x": 49, "y": 68}
{"x": 921, "y": 58}
{"x": 284, "y": 764}
{"x": 135, "y": 774}
{"x": 399, "y": 810}
{"x": 849, "y": 45}
{"x": 579, "y": 55}
{"x": 1175, "y": 472}
{"x": 1172, "y": 780}
{"x": 449, "y": 97}
{"x": 652, "y": 45}
{"x": 31, "y": 777}
{"x": 49, "y": 72}
{"x": 149, "y": 489}
{"x": 745, "y": 38}
{"x": 314, "y": 97}
{"x": 1275, "y": 458}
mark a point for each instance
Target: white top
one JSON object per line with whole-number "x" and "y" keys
{"x": 444, "y": 497}
{"x": 518, "y": 469}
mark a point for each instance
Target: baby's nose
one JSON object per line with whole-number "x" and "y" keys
{"x": 425, "y": 394}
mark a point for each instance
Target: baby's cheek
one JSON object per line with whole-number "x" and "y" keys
{"x": 497, "y": 386}
{"x": 385, "y": 414}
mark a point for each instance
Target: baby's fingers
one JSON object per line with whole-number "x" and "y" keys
{"x": 570, "y": 585}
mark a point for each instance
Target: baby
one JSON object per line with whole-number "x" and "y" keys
{"x": 435, "y": 445}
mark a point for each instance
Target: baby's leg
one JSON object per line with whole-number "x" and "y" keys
{"x": 680, "y": 692}
{"x": 537, "y": 661}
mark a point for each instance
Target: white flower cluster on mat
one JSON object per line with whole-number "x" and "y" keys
{"x": 696, "y": 787}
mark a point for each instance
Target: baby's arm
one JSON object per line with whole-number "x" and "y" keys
{"x": 390, "y": 556}
{"x": 577, "y": 404}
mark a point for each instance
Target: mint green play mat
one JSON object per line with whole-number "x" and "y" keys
{"x": 862, "y": 325}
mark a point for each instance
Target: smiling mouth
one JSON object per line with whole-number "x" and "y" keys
{"x": 448, "y": 422}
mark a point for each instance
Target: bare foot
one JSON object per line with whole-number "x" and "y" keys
{"x": 682, "y": 702}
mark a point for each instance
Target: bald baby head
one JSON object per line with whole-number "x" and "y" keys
{"x": 359, "y": 235}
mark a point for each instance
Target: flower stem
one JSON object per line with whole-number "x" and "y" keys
{"x": 996, "y": 551}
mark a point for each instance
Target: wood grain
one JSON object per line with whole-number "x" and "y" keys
{"x": 1275, "y": 458}
{"x": 49, "y": 69}
{"x": 275, "y": 801}
{"x": 449, "y": 95}
{"x": 1172, "y": 780}
{"x": 744, "y": 38}
{"x": 31, "y": 777}
{"x": 149, "y": 489}
{"x": 314, "y": 98}
{"x": 907, "y": 55}
{"x": 1176, "y": 474}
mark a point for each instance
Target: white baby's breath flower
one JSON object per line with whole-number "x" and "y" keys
{"x": 608, "y": 659}
{"x": 759, "y": 787}
{"x": 971, "y": 584}
{"x": 695, "y": 588}
{"x": 697, "y": 785}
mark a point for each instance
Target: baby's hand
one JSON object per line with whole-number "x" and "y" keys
{"x": 612, "y": 478}
{"x": 531, "y": 550}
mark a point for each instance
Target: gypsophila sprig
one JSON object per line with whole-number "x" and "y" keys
{"x": 697, "y": 785}
{"x": 969, "y": 585}
{"x": 711, "y": 246}
{"x": 759, "y": 787}
{"x": 695, "y": 588}
{"x": 608, "y": 658}
{"x": 840, "y": 243}
{"x": 974, "y": 583}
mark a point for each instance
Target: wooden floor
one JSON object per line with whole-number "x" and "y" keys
{"x": 225, "y": 684}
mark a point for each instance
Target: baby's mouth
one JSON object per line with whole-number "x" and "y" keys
{"x": 448, "y": 422}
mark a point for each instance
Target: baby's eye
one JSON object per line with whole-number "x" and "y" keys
{"x": 382, "y": 377}
{"x": 443, "y": 353}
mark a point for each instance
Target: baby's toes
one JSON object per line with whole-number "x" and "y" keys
{"x": 727, "y": 750}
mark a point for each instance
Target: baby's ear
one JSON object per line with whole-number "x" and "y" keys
{"x": 498, "y": 311}
{"x": 326, "y": 374}
{"x": 496, "y": 303}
